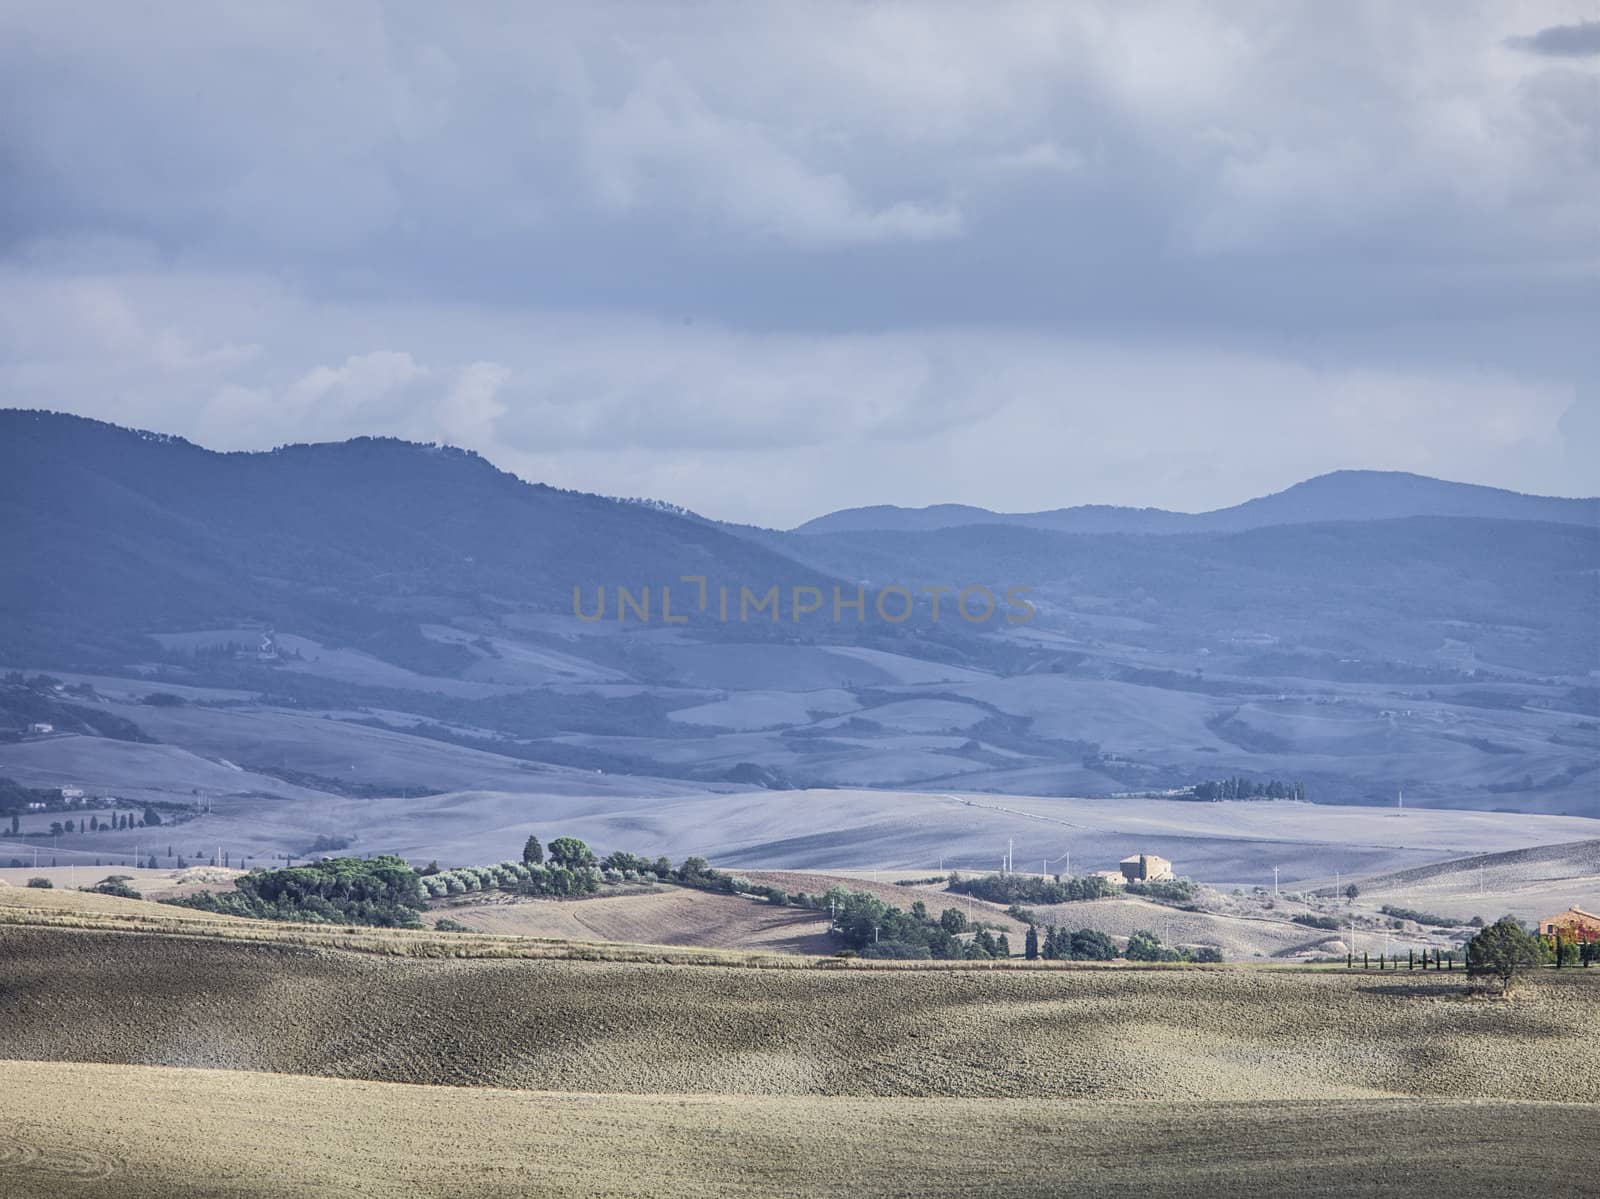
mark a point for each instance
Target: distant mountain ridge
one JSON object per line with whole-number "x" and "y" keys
{"x": 1339, "y": 496}
{"x": 420, "y": 598}
{"x": 107, "y": 532}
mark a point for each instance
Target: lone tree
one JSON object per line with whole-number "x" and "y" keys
{"x": 116, "y": 884}
{"x": 1351, "y": 892}
{"x": 532, "y": 852}
{"x": 1503, "y": 950}
{"x": 1030, "y": 945}
{"x": 953, "y": 920}
{"x": 571, "y": 853}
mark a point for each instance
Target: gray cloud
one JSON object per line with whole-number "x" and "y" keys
{"x": 710, "y": 248}
{"x": 1562, "y": 41}
{"x": 767, "y": 427}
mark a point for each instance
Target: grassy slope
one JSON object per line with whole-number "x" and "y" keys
{"x": 187, "y": 1133}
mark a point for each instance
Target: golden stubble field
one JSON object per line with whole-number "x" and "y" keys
{"x": 85, "y": 994}
{"x": 133, "y": 1132}
{"x": 149, "y": 1051}
{"x": 665, "y": 916}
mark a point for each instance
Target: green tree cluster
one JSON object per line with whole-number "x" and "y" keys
{"x": 1085, "y": 945}
{"x": 1213, "y": 790}
{"x": 1031, "y": 888}
{"x": 382, "y": 891}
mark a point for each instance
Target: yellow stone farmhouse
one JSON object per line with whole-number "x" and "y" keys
{"x": 1574, "y": 924}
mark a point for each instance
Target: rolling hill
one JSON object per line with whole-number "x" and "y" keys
{"x": 112, "y": 533}
{"x": 168, "y": 1133}
{"x": 1338, "y": 496}
{"x": 378, "y": 619}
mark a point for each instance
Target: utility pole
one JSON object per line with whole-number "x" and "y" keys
{"x": 1011, "y": 845}
{"x": 1402, "y": 798}
{"x": 1275, "y": 880}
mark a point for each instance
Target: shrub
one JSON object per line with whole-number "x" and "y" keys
{"x": 1145, "y": 946}
{"x": 447, "y": 925}
{"x": 1091, "y": 945}
{"x": 1176, "y": 890}
{"x": 1085, "y": 945}
{"x": 1028, "y": 888}
{"x": 42, "y": 883}
{"x": 1419, "y": 917}
{"x": 115, "y": 884}
{"x": 1313, "y": 921}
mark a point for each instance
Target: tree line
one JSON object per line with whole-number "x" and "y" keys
{"x": 1213, "y": 790}
{"x": 1031, "y": 888}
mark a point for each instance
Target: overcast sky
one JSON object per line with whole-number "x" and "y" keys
{"x": 768, "y": 260}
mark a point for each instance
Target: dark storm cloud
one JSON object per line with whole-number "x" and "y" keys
{"x": 1563, "y": 41}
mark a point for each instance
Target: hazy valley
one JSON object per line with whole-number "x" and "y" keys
{"x": 378, "y": 642}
